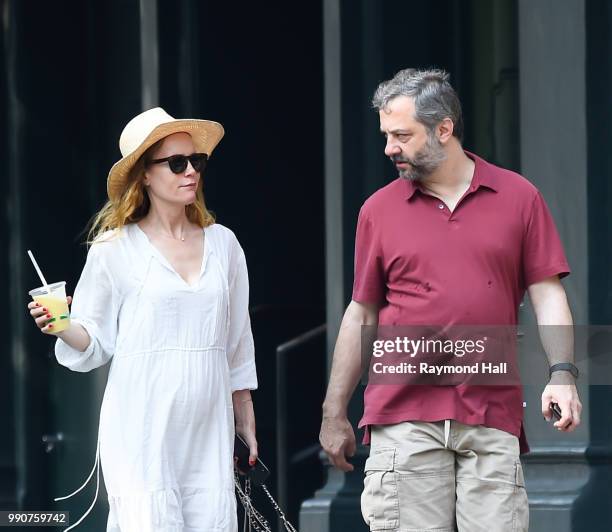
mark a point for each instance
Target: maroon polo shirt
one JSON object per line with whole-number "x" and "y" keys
{"x": 427, "y": 266}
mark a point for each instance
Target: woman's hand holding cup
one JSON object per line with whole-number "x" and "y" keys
{"x": 42, "y": 316}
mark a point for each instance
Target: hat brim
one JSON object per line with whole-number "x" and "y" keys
{"x": 206, "y": 134}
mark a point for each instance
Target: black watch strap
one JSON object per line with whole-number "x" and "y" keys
{"x": 564, "y": 366}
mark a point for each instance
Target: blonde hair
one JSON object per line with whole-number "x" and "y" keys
{"x": 133, "y": 204}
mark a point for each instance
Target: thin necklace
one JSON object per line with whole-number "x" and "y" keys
{"x": 182, "y": 237}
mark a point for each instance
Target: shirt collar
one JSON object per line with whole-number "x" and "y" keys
{"x": 483, "y": 177}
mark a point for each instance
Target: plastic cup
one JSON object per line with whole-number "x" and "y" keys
{"x": 55, "y": 302}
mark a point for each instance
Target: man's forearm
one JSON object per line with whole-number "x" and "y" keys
{"x": 558, "y": 343}
{"x": 555, "y": 322}
{"x": 557, "y": 334}
{"x": 346, "y": 369}
{"x": 346, "y": 366}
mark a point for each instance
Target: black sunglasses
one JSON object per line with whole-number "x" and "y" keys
{"x": 178, "y": 163}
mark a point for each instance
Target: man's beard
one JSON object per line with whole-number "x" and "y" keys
{"x": 424, "y": 162}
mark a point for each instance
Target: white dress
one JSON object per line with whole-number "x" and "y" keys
{"x": 177, "y": 353}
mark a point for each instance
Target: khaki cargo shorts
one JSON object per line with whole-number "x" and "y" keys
{"x": 444, "y": 477}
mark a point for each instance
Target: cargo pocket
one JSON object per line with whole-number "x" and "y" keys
{"x": 379, "y": 500}
{"x": 520, "y": 518}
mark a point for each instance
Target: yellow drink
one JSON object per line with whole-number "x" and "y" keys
{"x": 55, "y": 303}
{"x": 58, "y": 308}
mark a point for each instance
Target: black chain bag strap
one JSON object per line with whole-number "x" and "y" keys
{"x": 256, "y": 475}
{"x": 253, "y": 519}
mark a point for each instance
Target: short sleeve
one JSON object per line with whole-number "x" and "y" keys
{"x": 543, "y": 254}
{"x": 369, "y": 281}
{"x": 240, "y": 345}
{"x": 95, "y": 305}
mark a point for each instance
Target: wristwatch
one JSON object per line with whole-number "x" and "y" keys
{"x": 564, "y": 366}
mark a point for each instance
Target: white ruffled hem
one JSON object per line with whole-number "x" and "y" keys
{"x": 174, "y": 510}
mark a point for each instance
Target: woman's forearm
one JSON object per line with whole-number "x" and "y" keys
{"x": 75, "y": 336}
{"x": 243, "y": 410}
{"x": 244, "y": 415}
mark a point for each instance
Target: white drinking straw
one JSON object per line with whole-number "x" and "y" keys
{"x": 40, "y": 274}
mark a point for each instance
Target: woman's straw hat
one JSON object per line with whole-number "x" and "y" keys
{"x": 145, "y": 130}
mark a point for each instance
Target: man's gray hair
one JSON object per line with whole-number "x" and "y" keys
{"x": 434, "y": 97}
